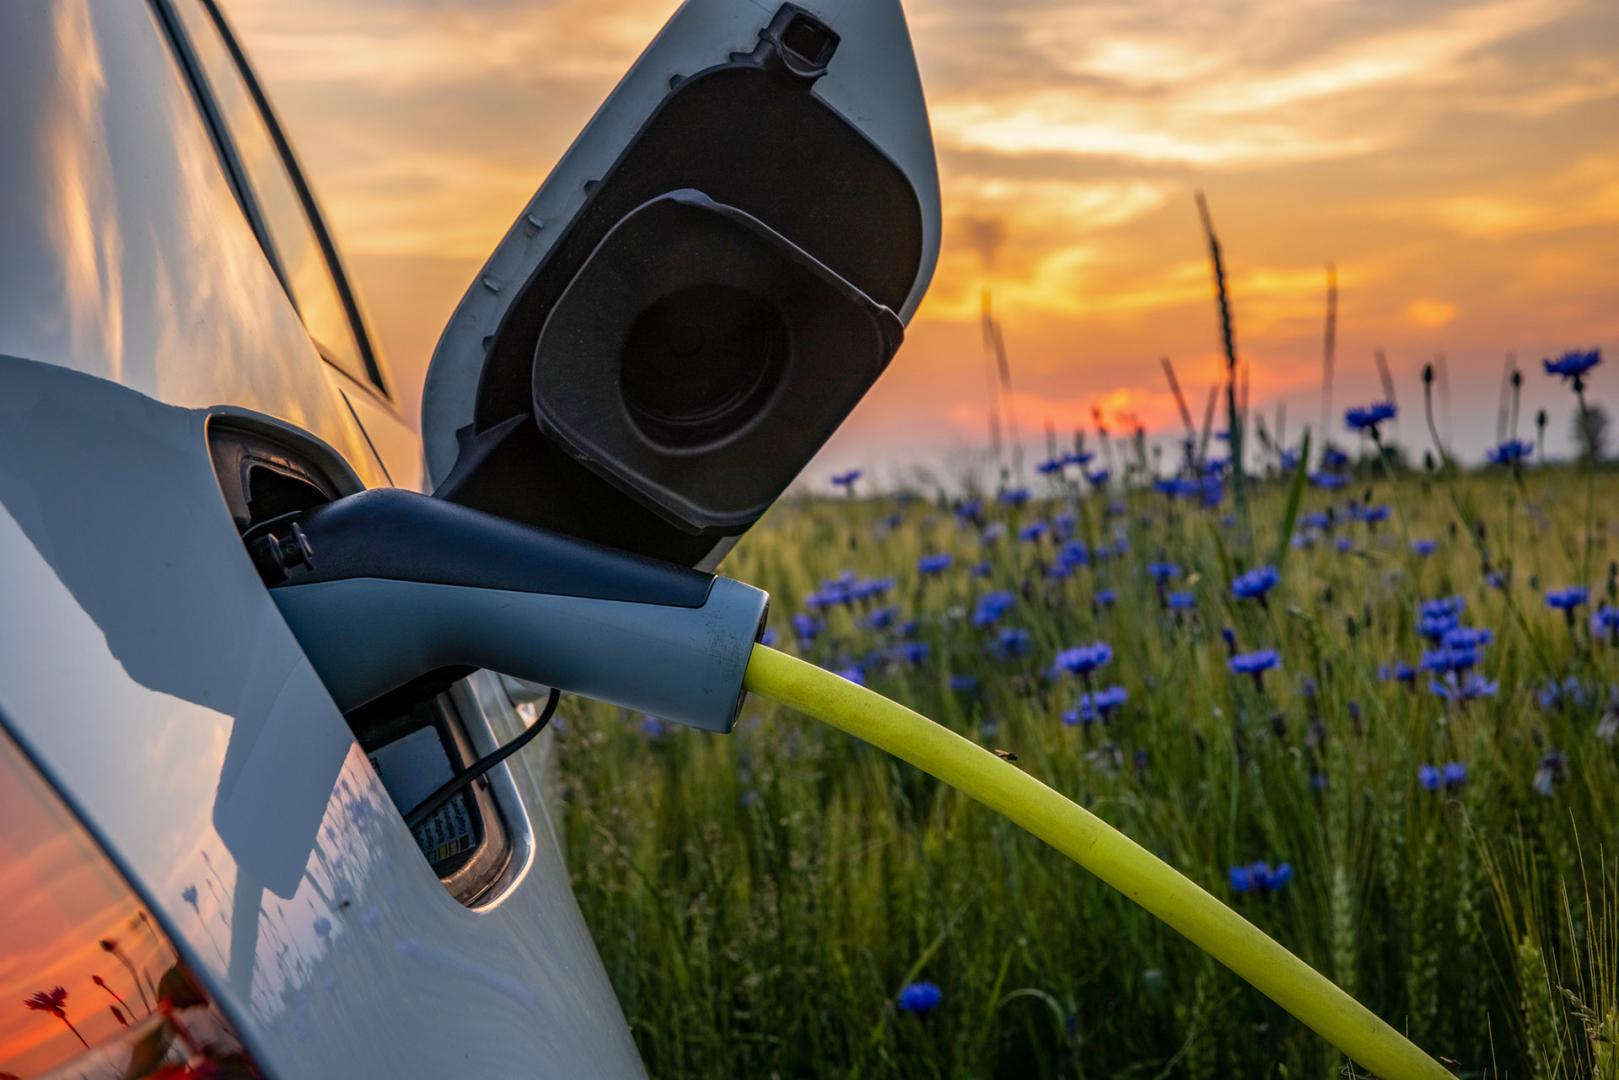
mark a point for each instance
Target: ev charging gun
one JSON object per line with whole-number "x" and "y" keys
{"x": 385, "y": 586}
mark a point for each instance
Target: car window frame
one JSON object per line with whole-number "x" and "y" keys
{"x": 375, "y": 380}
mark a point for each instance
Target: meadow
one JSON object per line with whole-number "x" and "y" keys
{"x": 1395, "y": 754}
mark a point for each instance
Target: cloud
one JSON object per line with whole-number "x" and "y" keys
{"x": 1583, "y": 193}
{"x": 1230, "y": 84}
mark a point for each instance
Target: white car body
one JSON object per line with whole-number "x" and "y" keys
{"x": 144, "y": 668}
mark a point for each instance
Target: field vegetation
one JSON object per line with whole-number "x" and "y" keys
{"x": 1372, "y": 707}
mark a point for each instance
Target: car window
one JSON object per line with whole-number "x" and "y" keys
{"x": 296, "y": 248}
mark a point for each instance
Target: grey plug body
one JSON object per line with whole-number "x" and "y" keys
{"x": 399, "y": 585}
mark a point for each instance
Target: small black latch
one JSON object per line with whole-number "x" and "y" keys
{"x": 796, "y": 44}
{"x": 278, "y": 548}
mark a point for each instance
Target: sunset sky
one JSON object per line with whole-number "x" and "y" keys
{"x": 1459, "y": 163}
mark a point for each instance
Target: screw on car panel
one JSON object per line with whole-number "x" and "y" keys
{"x": 491, "y": 284}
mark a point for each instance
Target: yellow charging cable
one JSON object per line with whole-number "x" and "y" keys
{"x": 1099, "y": 848}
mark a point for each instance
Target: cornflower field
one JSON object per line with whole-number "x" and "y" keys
{"x": 1373, "y": 708}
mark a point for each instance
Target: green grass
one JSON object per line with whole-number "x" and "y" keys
{"x": 759, "y": 899}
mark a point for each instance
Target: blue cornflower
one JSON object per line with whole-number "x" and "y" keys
{"x": 1455, "y": 775}
{"x": 1255, "y": 663}
{"x": 1450, "y": 605}
{"x": 1050, "y": 466}
{"x": 1288, "y": 459}
{"x": 1328, "y": 481}
{"x": 1259, "y": 878}
{"x": 1570, "y": 691}
{"x": 882, "y": 618}
{"x": 1316, "y": 519}
{"x": 653, "y": 727}
{"x": 1182, "y": 601}
{"x": 1081, "y": 458}
{"x": 1434, "y": 625}
{"x": 1213, "y": 491}
{"x": 1105, "y": 597}
{"x": 1163, "y": 571}
{"x": 1399, "y": 671}
{"x": 1229, "y": 636}
{"x": 1255, "y": 583}
{"x": 769, "y": 638}
{"x": 919, "y": 997}
{"x": 1371, "y": 515}
{"x": 1448, "y": 659}
{"x": 1215, "y": 466}
{"x": 991, "y": 607}
{"x": 1011, "y": 642}
{"x": 1344, "y": 545}
{"x": 1013, "y": 496}
{"x": 964, "y": 684}
{"x": 1083, "y": 659}
{"x": 1472, "y": 685}
{"x": 873, "y": 588}
{"x": 1368, "y": 417}
{"x": 911, "y": 652}
{"x": 929, "y": 565}
{"x": 1098, "y": 478}
{"x": 1567, "y": 599}
{"x": 982, "y": 569}
{"x": 1467, "y": 637}
{"x": 826, "y": 598}
{"x": 1065, "y": 523}
{"x": 1510, "y": 452}
{"x": 1574, "y": 363}
{"x": 909, "y": 628}
{"x": 806, "y": 627}
{"x": 970, "y": 509}
{"x": 1095, "y": 705}
{"x": 1177, "y": 487}
{"x": 1605, "y": 620}
{"x": 1032, "y": 531}
{"x": 1424, "y": 547}
{"x": 1074, "y": 553}
{"x": 1428, "y": 777}
{"x": 1334, "y": 458}
{"x": 1059, "y": 571}
{"x": 846, "y": 480}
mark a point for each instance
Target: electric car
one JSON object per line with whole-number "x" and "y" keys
{"x": 252, "y": 618}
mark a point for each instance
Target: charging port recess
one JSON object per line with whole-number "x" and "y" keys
{"x": 415, "y": 737}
